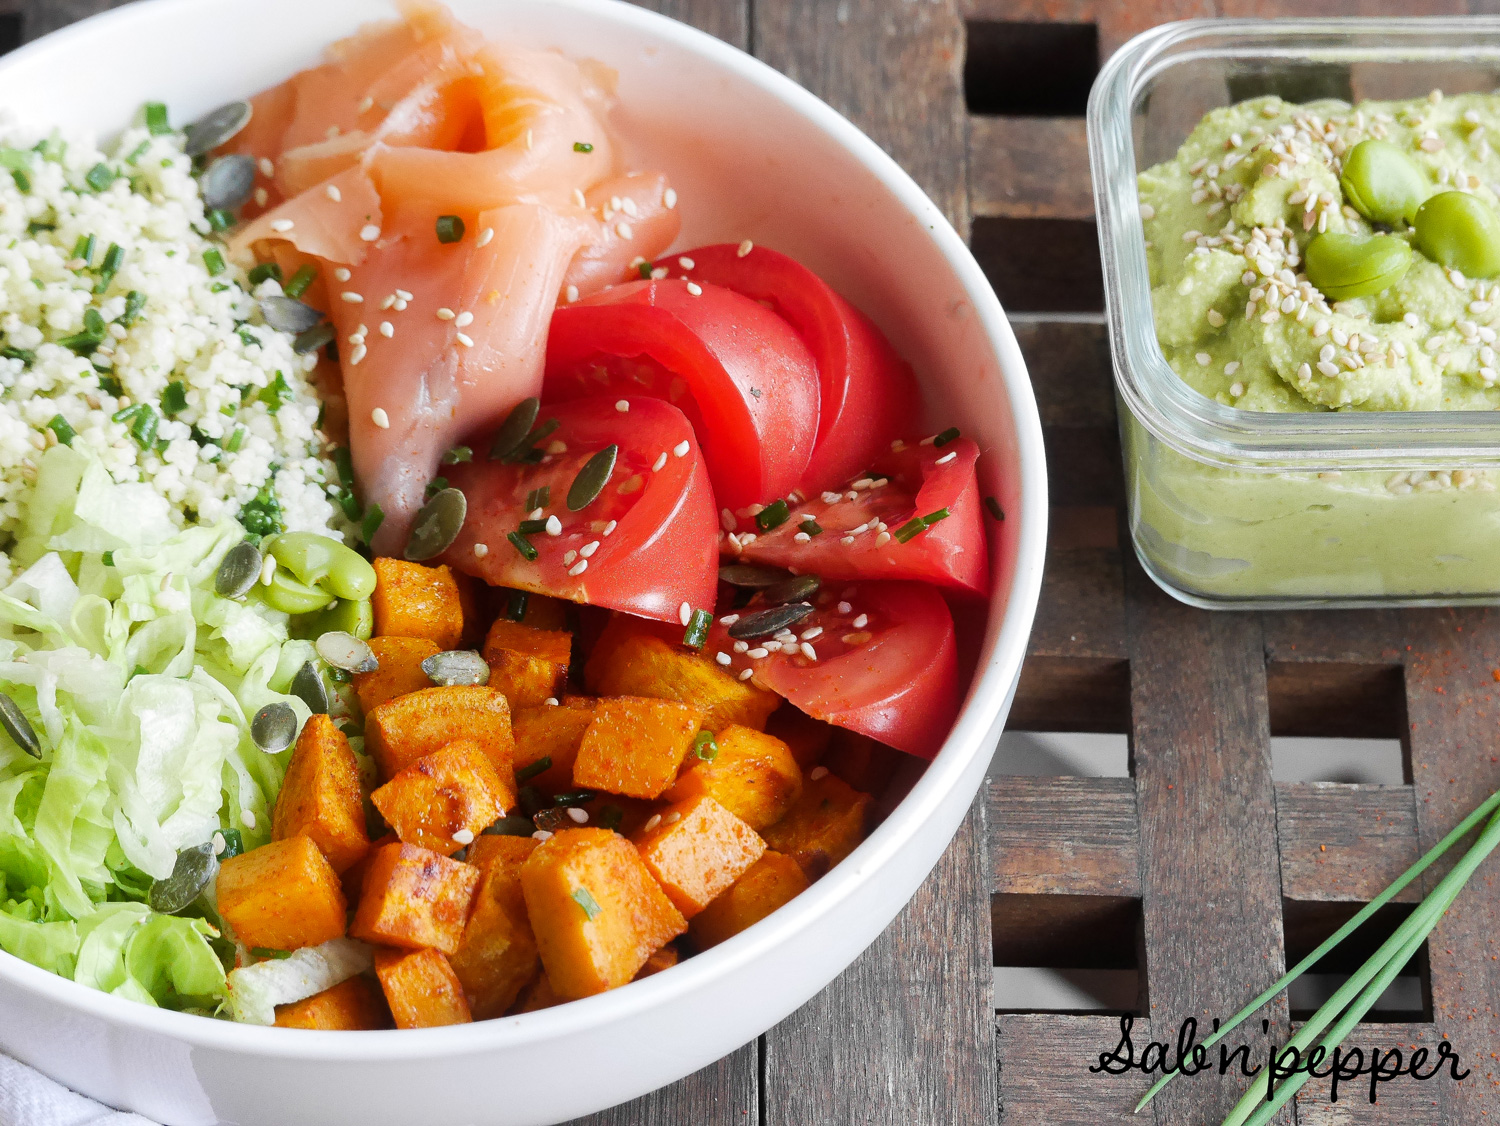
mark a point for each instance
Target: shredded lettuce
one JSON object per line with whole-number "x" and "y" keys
{"x": 255, "y": 991}
{"x": 140, "y": 681}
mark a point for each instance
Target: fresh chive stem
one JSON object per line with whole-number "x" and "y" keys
{"x": 450, "y": 228}
{"x": 523, "y": 545}
{"x": 297, "y": 285}
{"x": 772, "y": 515}
{"x": 945, "y": 437}
{"x": 697, "y": 629}
{"x": 532, "y": 769}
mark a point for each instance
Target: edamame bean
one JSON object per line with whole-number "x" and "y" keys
{"x": 324, "y": 562}
{"x": 345, "y": 615}
{"x": 1344, "y": 266}
{"x": 286, "y": 594}
{"x": 1383, "y": 183}
{"x": 1460, "y": 231}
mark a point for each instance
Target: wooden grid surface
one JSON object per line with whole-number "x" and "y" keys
{"x": 1197, "y": 871}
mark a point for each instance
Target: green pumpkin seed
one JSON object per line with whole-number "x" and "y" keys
{"x": 1344, "y": 266}
{"x": 228, "y": 181}
{"x": 238, "y": 571}
{"x": 308, "y": 687}
{"x": 310, "y": 340}
{"x": 513, "y": 431}
{"x": 513, "y": 826}
{"x": 1460, "y": 231}
{"x": 798, "y": 588}
{"x": 437, "y": 525}
{"x": 274, "y": 727}
{"x": 195, "y": 869}
{"x": 18, "y": 727}
{"x": 592, "y": 478}
{"x": 764, "y": 623}
{"x": 345, "y": 651}
{"x": 1383, "y": 183}
{"x": 213, "y": 129}
{"x": 287, "y": 314}
{"x": 751, "y": 577}
{"x": 456, "y": 666}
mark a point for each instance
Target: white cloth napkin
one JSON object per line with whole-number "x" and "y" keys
{"x": 29, "y": 1098}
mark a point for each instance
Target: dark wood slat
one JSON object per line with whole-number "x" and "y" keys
{"x": 1070, "y": 372}
{"x": 1030, "y": 168}
{"x": 1044, "y": 1076}
{"x": 1117, "y": 22}
{"x": 729, "y": 20}
{"x": 1074, "y": 836}
{"x": 1403, "y": 1102}
{"x": 1081, "y": 615}
{"x": 1371, "y": 637}
{"x": 723, "y": 1094}
{"x": 1341, "y": 842}
{"x": 38, "y": 17}
{"x": 904, "y": 1036}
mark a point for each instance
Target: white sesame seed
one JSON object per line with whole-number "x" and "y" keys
{"x": 811, "y": 634}
{"x": 578, "y": 816}
{"x": 610, "y": 527}
{"x": 485, "y": 236}
{"x": 744, "y": 248}
{"x": 669, "y": 197}
{"x": 1203, "y": 359}
{"x": 686, "y": 263}
{"x": 380, "y": 418}
{"x": 652, "y": 822}
{"x": 403, "y": 295}
{"x": 352, "y": 298}
{"x": 481, "y": 550}
{"x": 266, "y": 167}
{"x": 541, "y": 835}
{"x": 387, "y": 301}
{"x": 262, "y": 197}
{"x": 464, "y": 837}
{"x": 729, "y": 619}
{"x": 588, "y": 550}
{"x": 801, "y": 537}
{"x": 818, "y": 773}
{"x": 578, "y": 568}
{"x": 357, "y": 355}
{"x": 550, "y": 701}
{"x": 1236, "y": 389}
{"x": 554, "y": 526}
{"x": 267, "y": 569}
{"x": 369, "y": 232}
{"x": 808, "y": 651}
{"x": 685, "y": 613}
{"x": 946, "y": 458}
{"x": 622, "y": 405}
{"x": 882, "y": 539}
{"x": 570, "y": 294}
{"x": 861, "y": 621}
{"x": 681, "y": 448}
{"x": 847, "y": 540}
{"x": 387, "y": 329}
{"x": 463, "y": 338}
{"x": 1328, "y": 368}
{"x": 247, "y": 818}
{"x": 695, "y": 289}
{"x": 624, "y": 230}
{"x": 746, "y": 675}
{"x": 845, "y": 608}
{"x": 661, "y": 460}
{"x": 333, "y": 193}
{"x": 568, "y": 557}
{"x": 282, "y": 225}
{"x": 464, "y": 319}
{"x": 832, "y": 498}
{"x": 445, "y": 314}
{"x": 722, "y": 657}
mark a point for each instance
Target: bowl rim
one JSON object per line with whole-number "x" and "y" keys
{"x": 988, "y": 696}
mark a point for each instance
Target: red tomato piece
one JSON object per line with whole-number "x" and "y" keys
{"x": 740, "y": 374}
{"x": 920, "y": 481}
{"x": 869, "y": 395}
{"x": 884, "y": 662}
{"x": 645, "y": 545}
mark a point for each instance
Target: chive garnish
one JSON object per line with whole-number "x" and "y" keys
{"x": 236, "y": 437}
{"x": 919, "y": 524}
{"x": 277, "y": 393}
{"x": 696, "y": 633}
{"x": 458, "y": 455}
{"x": 810, "y": 526}
{"x": 114, "y": 258}
{"x": 219, "y": 219}
{"x": 644, "y": 269}
{"x": 264, "y": 270}
{"x": 343, "y": 461}
{"x": 532, "y": 769}
{"x": 582, "y": 146}
{"x": 84, "y": 343}
{"x": 589, "y": 904}
{"x": 83, "y": 249}
{"x": 772, "y": 515}
{"x": 18, "y": 161}
{"x": 25, "y": 355}
{"x": 705, "y": 747}
{"x": 59, "y": 426}
{"x": 267, "y": 952}
{"x": 450, "y": 228}
{"x": 135, "y": 301}
{"x": 108, "y": 558}
{"x": 214, "y": 261}
{"x": 592, "y": 478}
{"x": 156, "y": 119}
{"x": 515, "y": 605}
{"x": 523, "y": 545}
{"x": 992, "y": 506}
{"x": 573, "y": 797}
{"x": 110, "y": 385}
{"x": 532, "y": 527}
{"x": 374, "y": 517}
{"x": 299, "y": 282}
{"x": 100, "y": 177}
{"x": 143, "y": 421}
{"x": 22, "y": 180}
{"x": 609, "y": 817}
{"x": 945, "y": 437}
{"x": 538, "y": 498}
{"x": 174, "y": 398}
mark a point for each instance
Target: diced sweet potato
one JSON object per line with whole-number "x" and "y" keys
{"x": 413, "y": 897}
{"x": 823, "y": 827}
{"x": 753, "y": 775}
{"x": 282, "y": 895}
{"x": 861, "y": 761}
{"x": 663, "y": 959}
{"x": 411, "y": 600}
{"x": 529, "y": 665}
{"x": 320, "y": 796}
{"x": 697, "y": 850}
{"x": 634, "y": 746}
{"x": 400, "y": 731}
{"x": 595, "y": 909}
{"x": 772, "y": 880}
{"x": 539, "y": 994}
{"x": 400, "y": 670}
{"x": 497, "y": 956}
{"x": 632, "y": 658}
{"x": 808, "y": 738}
{"x": 353, "y": 1005}
{"x": 353, "y": 880}
{"x": 421, "y": 988}
{"x": 552, "y": 733}
{"x": 443, "y": 794}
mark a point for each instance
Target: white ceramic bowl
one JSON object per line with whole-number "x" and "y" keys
{"x": 752, "y": 155}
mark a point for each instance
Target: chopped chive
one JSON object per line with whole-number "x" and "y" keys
{"x": 110, "y": 385}
{"x": 59, "y": 426}
{"x": 83, "y": 249}
{"x": 25, "y": 355}
{"x": 114, "y": 258}
{"x": 137, "y": 152}
{"x": 772, "y": 515}
{"x": 810, "y": 526}
{"x": 143, "y": 429}
{"x": 236, "y": 437}
{"x": 174, "y": 398}
{"x": 156, "y": 119}
{"x": 933, "y": 517}
{"x": 992, "y": 506}
{"x": 450, "y": 228}
{"x": 582, "y": 146}
{"x": 267, "y": 952}
{"x": 219, "y": 219}
{"x": 84, "y": 343}
{"x": 705, "y": 747}
{"x": 644, "y": 269}
{"x": 945, "y": 437}
{"x": 435, "y": 486}
{"x": 527, "y": 450}
{"x": 532, "y": 769}
{"x": 349, "y": 503}
{"x": 135, "y": 301}
{"x": 297, "y": 285}
{"x": 108, "y": 558}
{"x": 573, "y": 797}
{"x": 697, "y": 629}
{"x": 374, "y": 517}
{"x": 515, "y": 605}
{"x": 22, "y": 180}
{"x": 19, "y": 163}
{"x": 609, "y": 817}
{"x": 589, "y": 904}
{"x": 214, "y": 261}
{"x": 910, "y": 529}
{"x": 100, "y": 177}
{"x": 264, "y": 270}
{"x": 277, "y": 393}
{"x": 532, "y": 527}
{"x": 458, "y": 455}
{"x": 523, "y": 545}
{"x": 538, "y": 498}
{"x": 343, "y": 461}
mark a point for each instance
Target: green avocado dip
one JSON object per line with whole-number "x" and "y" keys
{"x": 1232, "y": 226}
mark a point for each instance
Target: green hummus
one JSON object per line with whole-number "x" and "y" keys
{"x": 1226, "y": 224}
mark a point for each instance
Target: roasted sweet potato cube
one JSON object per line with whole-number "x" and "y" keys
{"x": 753, "y": 775}
{"x": 554, "y": 734}
{"x": 635, "y": 746}
{"x": 451, "y": 792}
{"x": 400, "y": 670}
{"x": 320, "y": 796}
{"x": 865, "y": 764}
{"x": 633, "y": 658}
{"x": 421, "y": 988}
{"x": 529, "y": 665}
{"x": 414, "y": 897}
{"x": 663, "y": 959}
{"x": 772, "y": 880}
{"x": 411, "y": 600}
{"x": 282, "y": 895}
{"x": 824, "y": 826}
{"x": 595, "y": 910}
{"x": 353, "y": 1005}
{"x": 697, "y": 850}
{"x": 353, "y": 880}
{"x": 400, "y": 731}
{"x": 539, "y": 994}
{"x": 808, "y": 738}
{"x": 497, "y": 955}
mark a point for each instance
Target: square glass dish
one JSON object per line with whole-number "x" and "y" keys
{"x": 1293, "y": 506}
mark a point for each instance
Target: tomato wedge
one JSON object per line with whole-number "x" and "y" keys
{"x": 647, "y": 542}
{"x": 740, "y": 374}
{"x": 869, "y": 395}
{"x": 880, "y": 659}
{"x": 866, "y": 530}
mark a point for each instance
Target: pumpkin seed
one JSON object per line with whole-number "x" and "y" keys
{"x": 18, "y": 727}
{"x": 456, "y": 666}
{"x": 238, "y": 570}
{"x": 514, "y": 826}
{"x": 195, "y": 869}
{"x": 513, "y": 431}
{"x": 274, "y": 727}
{"x": 751, "y": 577}
{"x": 798, "y": 588}
{"x": 592, "y": 478}
{"x": 308, "y": 687}
{"x": 286, "y": 314}
{"x": 213, "y": 129}
{"x": 311, "y": 339}
{"x": 764, "y": 623}
{"x": 437, "y": 525}
{"x": 228, "y": 181}
{"x": 345, "y": 651}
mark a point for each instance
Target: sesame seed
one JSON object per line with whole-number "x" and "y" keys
{"x": 661, "y": 460}
{"x": 622, "y": 405}
{"x": 261, "y": 197}
{"x": 464, "y": 319}
{"x": 746, "y": 675}
{"x": 352, "y": 298}
{"x": 342, "y": 273}
{"x": 681, "y": 448}
{"x": 445, "y": 314}
{"x": 387, "y": 329}
{"x": 369, "y": 232}
{"x": 1203, "y": 359}
{"x": 380, "y": 418}
{"x": 403, "y": 295}
{"x": 541, "y": 835}
{"x": 722, "y": 657}
{"x": 570, "y": 294}
{"x": 832, "y": 498}
{"x": 669, "y": 197}
{"x": 282, "y": 225}
{"x": 485, "y": 236}
{"x": 695, "y": 289}
{"x": 557, "y": 446}
{"x": 554, "y": 526}
{"x": 578, "y": 816}
{"x": 568, "y": 557}
{"x": 652, "y": 822}
{"x": 882, "y": 539}
{"x": 267, "y": 570}
{"x": 610, "y": 527}
{"x": 357, "y": 355}
{"x": 810, "y": 634}
{"x": 802, "y": 537}
{"x": 333, "y": 193}
{"x": 623, "y": 229}
{"x": 845, "y": 608}
{"x": 847, "y": 540}
{"x": 818, "y": 773}
{"x": 481, "y": 550}
{"x": 589, "y": 548}
{"x": 464, "y": 836}
{"x": 1231, "y": 367}
{"x": 1328, "y": 368}
{"x": 744, "y": 248}
{"x": 387, "y": 301}
{"x": 1236, "y": 389}
{"x": 685, "y": 613}
{"x": 946, "y": 458}
{"x": 861, "y": 621}
{"x": 550, "y": 701}
{"x": 247, "y": 817}
{"x": 463, "y": 338}
{"x": 686, "y": 263}
{"x": 578, "y": 568}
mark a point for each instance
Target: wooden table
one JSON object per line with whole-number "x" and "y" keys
{"x": 1197, "y": 871}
